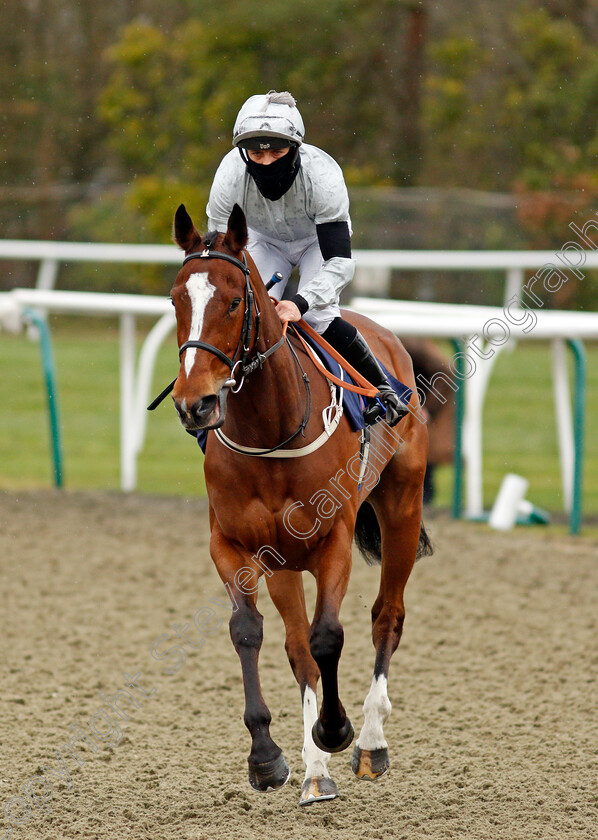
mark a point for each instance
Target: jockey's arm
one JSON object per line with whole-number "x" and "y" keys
{"x": 337, "y": 271}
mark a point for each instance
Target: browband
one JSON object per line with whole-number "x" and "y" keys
{"x": 207, "y": 254}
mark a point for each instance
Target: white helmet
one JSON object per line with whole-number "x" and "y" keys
{"x": 268, "y": 121}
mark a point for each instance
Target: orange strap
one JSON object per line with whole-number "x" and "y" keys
{"x": 364, "y": 387}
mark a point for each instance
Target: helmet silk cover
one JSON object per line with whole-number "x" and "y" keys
{"x": 272, "y": 115}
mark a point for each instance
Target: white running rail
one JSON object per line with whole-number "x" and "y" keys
{"x": 403, "y": 317}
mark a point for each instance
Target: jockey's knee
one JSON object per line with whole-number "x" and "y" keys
{"x": 320, "y": 319}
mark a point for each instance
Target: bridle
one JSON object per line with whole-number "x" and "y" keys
{"x": 251, "y": 323}
{"x": 251, "y": 320}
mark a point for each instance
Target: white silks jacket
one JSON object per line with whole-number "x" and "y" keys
{"x": 317, "y": 195}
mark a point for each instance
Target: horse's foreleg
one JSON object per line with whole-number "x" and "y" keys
{"x": 268, "y": 769}
{"x": 399, "y": 508}
{"x": 286, "y": 591}
{"x": 332, "y": 731}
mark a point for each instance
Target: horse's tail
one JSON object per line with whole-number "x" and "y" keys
{"x": 369, "y": 540}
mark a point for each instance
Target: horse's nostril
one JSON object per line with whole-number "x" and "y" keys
{"x": 203, "y": 407}
{"x": 197, "y": 414}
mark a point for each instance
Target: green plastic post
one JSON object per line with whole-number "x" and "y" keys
{"x": 579, "y": 400}
{"x": 47, "y": 356}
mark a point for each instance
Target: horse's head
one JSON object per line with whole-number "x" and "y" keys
{"x": 215, "y": 317}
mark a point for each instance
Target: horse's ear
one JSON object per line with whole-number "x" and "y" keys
{"x": 236, "y": 234}
{"x": 183, "y": 230}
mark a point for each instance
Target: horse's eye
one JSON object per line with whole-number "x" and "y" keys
{"x": 172, "y": 301}
{"x": 235, "y": 302}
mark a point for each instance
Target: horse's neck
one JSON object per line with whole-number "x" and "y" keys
{"x": 271, "y": 404}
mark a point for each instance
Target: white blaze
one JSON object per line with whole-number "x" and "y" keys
{"x": 200, "y": 291}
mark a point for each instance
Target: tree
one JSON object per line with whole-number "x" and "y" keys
{"x": 524, "y": 114}
{"x": 51, "y": 72}
{"x": 171, "y": 101}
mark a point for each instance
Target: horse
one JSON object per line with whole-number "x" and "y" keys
{"x": 270, "y": 473}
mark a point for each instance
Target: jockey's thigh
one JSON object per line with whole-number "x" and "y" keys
{"x": 310, "y": 261}
{"x": 269, "y": 258}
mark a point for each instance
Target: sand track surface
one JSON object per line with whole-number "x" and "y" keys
{"x": 493, "y": 732}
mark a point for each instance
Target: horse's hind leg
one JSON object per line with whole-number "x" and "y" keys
{"x": 286, "y": 591}
{"x": 268, "y": 769}
{"x": 398, "y": 504}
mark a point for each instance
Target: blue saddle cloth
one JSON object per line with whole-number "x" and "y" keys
{"x": 353, "y": 403}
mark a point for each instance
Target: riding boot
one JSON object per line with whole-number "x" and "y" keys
{"x": 349, "y": 342}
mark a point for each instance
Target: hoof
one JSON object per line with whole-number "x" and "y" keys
{"x": 269, "y": 776}
{"x": 332, "y": 742}
{"x": 370, "y": 765}
{"x": 317, "y": 790}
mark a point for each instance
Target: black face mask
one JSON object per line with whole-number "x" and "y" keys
{"x": 275, "y": 179}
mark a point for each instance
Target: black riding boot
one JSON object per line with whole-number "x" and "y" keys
{"x": 348, "y": 341}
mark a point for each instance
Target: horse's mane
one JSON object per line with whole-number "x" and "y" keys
{"x": 210, "y": 238}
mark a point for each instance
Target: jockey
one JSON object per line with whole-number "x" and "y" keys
{"x": 297, "y": 209}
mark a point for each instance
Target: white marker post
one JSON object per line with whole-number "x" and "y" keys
{"x": 508, "y": 502}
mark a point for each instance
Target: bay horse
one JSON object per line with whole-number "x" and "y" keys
{"x": 274, "y": 516}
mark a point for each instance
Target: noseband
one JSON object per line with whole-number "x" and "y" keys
{"x": 251, "y": 321}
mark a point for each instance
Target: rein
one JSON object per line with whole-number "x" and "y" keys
{"x": 365, "y": 388}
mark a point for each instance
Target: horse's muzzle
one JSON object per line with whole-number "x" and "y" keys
{"x": 198, "y": 415}
{"x": 206, "y": 413}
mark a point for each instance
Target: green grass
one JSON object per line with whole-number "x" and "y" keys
{"x": 519, "y": 424}
{"x": 519, "y": 428}
{"x": 87, "y": 363}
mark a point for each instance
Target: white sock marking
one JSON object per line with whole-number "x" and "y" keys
{"x": 200, "y": 291}
{"x": 376, "y": 709}
{"x": 315, "y": 759}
